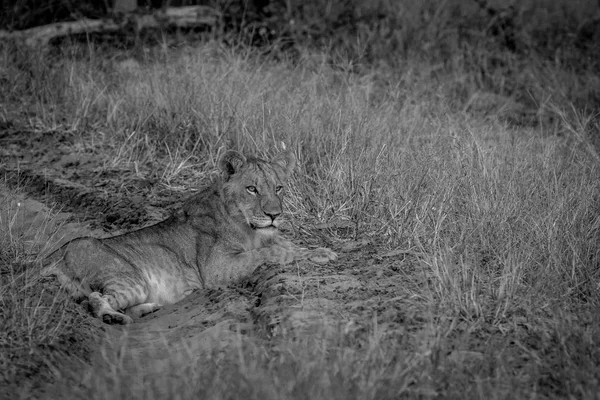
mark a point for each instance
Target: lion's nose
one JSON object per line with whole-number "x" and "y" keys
{"x": 273, "y": 216}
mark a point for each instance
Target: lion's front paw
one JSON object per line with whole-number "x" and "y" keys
{"x": 322, "y": 255}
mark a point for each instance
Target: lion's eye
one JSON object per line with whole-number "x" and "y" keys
{"x": 279, "y": 189}
{"x": 251, "y": 189}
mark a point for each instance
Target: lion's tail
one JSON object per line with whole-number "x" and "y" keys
{"x": 52, "y": 268}
{"x": 49, "y": 270}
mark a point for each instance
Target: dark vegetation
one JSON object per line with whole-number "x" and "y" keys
{"x": 494, "y": 44}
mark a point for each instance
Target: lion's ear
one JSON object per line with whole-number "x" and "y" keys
{"x": 286, "y": 160}
{"x": 231, "y": 161}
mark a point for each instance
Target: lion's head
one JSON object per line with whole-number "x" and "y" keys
{"x": 253, "y": 188}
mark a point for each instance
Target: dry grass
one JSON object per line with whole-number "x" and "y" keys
{"x": 504, "y": 218}
{"x": 35, "y": 321}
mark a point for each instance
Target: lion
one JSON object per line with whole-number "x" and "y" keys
{"x": 220, "y": 235}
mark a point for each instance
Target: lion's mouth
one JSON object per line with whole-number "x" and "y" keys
{"x": 267, "y": 227}
{"x": 263, "y": 224}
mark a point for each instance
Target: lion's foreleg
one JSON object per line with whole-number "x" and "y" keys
{"x": 225, "y": 267}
